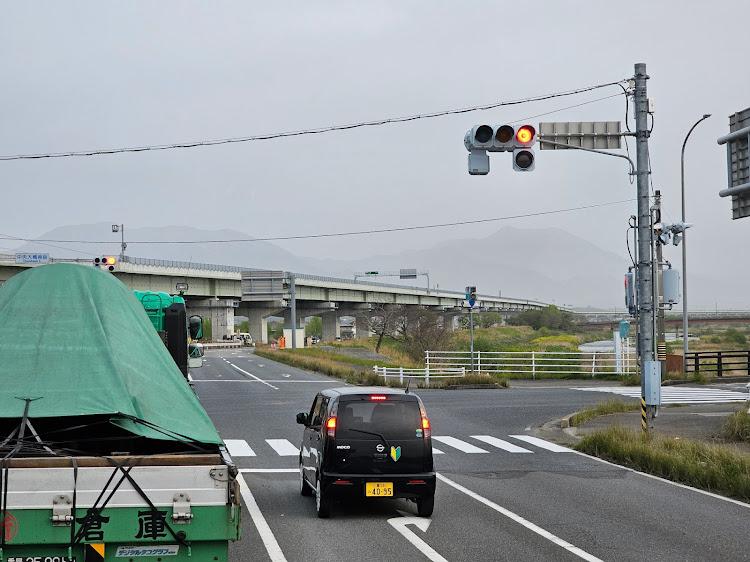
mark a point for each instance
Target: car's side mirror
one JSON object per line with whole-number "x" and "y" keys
{"x": 302, "y": 418}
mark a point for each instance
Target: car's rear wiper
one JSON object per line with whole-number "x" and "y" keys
{"x": 372, "y": 433}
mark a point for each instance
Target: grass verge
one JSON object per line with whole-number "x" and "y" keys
{"x": 737, "y": 427}
{"x": 612, "y": 406}
{"x": 723, "y": 470}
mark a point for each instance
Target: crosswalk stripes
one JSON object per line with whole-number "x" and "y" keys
{"x": 284, "y": 448}
{"x": 238, "y": 448}
{"x": 678, "y": 395}
{"x": 458, "y": 444}
{"x": 541, "y": 443}
{"x": 500, "y": 444}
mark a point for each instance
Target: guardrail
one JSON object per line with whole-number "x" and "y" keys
{"x": 426, "y": 374}
{"x": 718, "y": 362}
{"x": 533, "y": 362}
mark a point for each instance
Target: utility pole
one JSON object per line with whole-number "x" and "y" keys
{"x": 121, "y": 229}
{"x": 645, "y": 233}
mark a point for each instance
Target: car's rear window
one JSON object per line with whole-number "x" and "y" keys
{"x": 394, "y": 419}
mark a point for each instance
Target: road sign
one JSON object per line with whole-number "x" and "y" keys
{"x": 738, "y": 163}
{"x": 407, "y": 273}
{"x": 32, "y": 258}
{"x": 580, "y": 134}
{"x": 472, "y": 304}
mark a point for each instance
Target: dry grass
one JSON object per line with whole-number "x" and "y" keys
{"x": 723, "y": 470}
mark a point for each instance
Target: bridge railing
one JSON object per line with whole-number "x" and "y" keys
{"x": 522, "y": 364}
{"x": 719, "y": 362}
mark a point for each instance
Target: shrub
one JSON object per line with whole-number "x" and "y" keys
{"x": 737, "y": 427}
{"x": 735, "y": 336}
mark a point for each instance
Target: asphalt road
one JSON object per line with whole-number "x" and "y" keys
{"x": 508, "y": 498}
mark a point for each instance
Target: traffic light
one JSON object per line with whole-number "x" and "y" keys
{"x": 517, "y": 139}
{"x": 523, "y": 154}
{"x": 107, "y": 262}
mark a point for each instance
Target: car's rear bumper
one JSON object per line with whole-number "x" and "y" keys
{"x": 411, "y": 486}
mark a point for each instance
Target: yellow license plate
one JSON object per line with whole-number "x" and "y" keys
{"x": 379, "y": 489}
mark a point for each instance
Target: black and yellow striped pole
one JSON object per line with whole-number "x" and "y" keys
{"x": 644, "y": 421}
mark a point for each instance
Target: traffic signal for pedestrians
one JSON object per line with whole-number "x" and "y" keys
{"x": 517, "y": 139}
{"x": 106, "y": 262}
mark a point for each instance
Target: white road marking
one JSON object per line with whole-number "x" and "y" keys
{"x": 711, "y": 494}
{"x": 675, "y": 395}
{"x": 525, "y": 522}
{"x": 500, "y": 444}
{"x": 238, "y": 448}
{"x": 269, "y": 470}
{"x": 541, "y": 443}
{"x": 458, "y": 444}
{"x": 285, "y": 375}
{"x": 266, "y": 535}
{"x": 283, "y": 447}
{"x": 244, "y": 372}
{"x": 400, "y": 523}
{"x": 437, "y": 451}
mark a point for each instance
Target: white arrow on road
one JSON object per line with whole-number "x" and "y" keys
{"x": 400, "y": 523}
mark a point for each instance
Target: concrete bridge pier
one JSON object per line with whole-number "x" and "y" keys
{"x": 331, "y": 326}
{"x": 257, "y": 318}
{"x": 219, "y": 311}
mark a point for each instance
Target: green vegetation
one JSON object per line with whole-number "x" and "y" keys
{"x": 314, "y": 327}
{"x": 737, "y": 427}
{"x": 735, "y": 336}
{"x": 612, "y": 406}
{"x": 694, "y": 463}
{"x": 551, "y": 317}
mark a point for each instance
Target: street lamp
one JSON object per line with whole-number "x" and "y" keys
{"x": 684, "y": 254}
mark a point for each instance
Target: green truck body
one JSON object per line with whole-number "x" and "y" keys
{"x": 107, "y": 454}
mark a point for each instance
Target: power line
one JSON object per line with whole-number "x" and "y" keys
{"x": 311, "y": 131}
{"x": 336, "y": 234}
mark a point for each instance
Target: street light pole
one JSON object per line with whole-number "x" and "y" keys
{"x": 684, "y": 251}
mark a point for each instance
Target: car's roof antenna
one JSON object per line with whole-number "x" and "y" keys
{"x": 408, "y": 382}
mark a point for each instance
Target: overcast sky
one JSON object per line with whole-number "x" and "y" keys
{"x": 100, "y": 75}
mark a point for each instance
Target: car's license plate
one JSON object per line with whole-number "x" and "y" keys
{"x": 379, "y": 489}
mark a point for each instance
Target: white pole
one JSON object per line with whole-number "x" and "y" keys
{"x": 401, "y": 375}
{"x": 533, "y": 365}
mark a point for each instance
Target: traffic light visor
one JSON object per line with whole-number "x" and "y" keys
{"x": 525, "y": 134}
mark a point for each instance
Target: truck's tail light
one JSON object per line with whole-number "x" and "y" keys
{"x": 331, "y": 427}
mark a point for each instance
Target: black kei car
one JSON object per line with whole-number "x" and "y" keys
{"x": 368, "y": 442}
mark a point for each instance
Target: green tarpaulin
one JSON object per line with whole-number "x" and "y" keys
{"x": 77, "y": 339}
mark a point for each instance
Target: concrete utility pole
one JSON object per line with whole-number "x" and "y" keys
{"x": 645, "y": 233}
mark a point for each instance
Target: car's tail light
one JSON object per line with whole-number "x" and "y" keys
{"x": 331, "y": 427}
{"x": 426, "y": 426}
{"x": 378, "y": 397}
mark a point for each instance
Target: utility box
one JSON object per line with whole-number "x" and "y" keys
{"x": 671, "y": 283}
{"x": 652, "y": 382}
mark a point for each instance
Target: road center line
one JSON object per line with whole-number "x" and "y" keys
{"x": 252, "y": 375}
{"x": 525, "y": 522}
{"x": 266, "y": 535}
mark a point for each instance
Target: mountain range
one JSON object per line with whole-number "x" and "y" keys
{"x": 549, "y": 265}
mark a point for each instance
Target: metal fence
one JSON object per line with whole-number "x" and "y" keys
{"x": 533, "y": 363}
{"x": 401, "y": 373}
{"x": 719, "y": 362}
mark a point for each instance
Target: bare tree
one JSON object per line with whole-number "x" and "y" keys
{"x": 384, "y": 320}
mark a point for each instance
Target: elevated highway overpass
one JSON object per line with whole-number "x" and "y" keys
{"x": 220, "y": 292}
